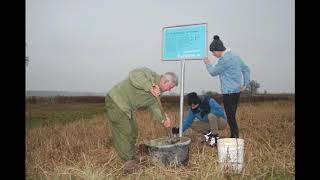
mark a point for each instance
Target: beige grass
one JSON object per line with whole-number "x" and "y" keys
{"x": 83, "y": 149}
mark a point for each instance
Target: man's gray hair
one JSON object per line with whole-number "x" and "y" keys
{"x": 172, "y": 77}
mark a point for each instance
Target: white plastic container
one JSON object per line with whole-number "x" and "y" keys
{"x": 231, "y": 153}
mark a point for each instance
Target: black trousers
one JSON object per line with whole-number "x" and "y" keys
{"x": 230, "y": 102}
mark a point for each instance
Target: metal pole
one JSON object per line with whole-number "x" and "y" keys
{"x": 181, "y": 96}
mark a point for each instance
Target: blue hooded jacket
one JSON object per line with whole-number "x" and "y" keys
{"x": 230, "y": 69}
{"x": 215, "y": 109}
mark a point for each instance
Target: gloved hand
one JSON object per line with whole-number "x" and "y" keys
{"x": 175, "y": 131}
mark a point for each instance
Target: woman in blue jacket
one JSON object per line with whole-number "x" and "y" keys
{"x": 230, "y": 69}
{"x": 205, "y": 116}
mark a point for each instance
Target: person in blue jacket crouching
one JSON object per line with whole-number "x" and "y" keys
{"x": 205, "y": 116}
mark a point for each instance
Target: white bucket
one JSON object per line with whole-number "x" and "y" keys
{"x": 230, "y": 153}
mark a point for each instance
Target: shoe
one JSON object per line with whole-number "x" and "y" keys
{"x": 214, "y": 140}
{"x": 208, "y": 136}
{"x": 130, "y": 167}
{"x": 211, "y": 139}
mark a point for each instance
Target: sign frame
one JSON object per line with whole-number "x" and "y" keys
{"x": 185, "y": 58}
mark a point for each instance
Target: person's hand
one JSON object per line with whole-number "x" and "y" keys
{"x": 206, "y": 60}
{"x": 155, "y": 90}
{"x": 167, "y": 122}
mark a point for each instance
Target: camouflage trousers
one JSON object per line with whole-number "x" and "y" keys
{"x": 124, "y": 130}
{"x": 215, "y": 124}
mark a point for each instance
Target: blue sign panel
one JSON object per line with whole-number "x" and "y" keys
{"x": 184, "y": 42}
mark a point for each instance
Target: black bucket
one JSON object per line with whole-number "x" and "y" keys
{"x": 162, "y": 151}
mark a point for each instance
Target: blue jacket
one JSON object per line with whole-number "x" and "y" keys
{"x": 215, "y": 108}
{"x": 230, "y": 69}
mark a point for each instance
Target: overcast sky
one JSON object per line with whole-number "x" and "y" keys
{"x": 90, "y": 45}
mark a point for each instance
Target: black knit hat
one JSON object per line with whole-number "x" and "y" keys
{"x": 193, "y": 98}
{"x": 217, "y": 44}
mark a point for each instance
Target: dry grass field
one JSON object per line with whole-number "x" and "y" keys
{"x": 82, "y": 148}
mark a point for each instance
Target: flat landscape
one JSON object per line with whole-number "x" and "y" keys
{"x": 73, "y": 141}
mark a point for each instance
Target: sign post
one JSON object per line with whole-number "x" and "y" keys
{"x": 184, "y": 42}
{"x": 181, "y": 96}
